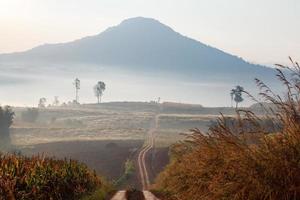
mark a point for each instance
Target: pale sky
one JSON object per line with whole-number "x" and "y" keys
{"x": 260, "y": 31}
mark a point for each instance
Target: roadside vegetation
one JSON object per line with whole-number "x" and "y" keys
{"x": 128, "y": 172}
{"x": 225, "y": 163}
{"x": 40, "y": 177}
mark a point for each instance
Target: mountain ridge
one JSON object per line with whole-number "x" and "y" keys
{"x": 142, "y": 44}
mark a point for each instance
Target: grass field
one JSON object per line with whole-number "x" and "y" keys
{"x": 109, "y": 121}
{"x": 173, "y": 127}
{"x": 105, "y": 136}
{"x": 80, "y": 123}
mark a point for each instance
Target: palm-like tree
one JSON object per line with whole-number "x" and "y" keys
{"x": 99, "y": 89}
{"x": 236, "y": 95}
{"x": 77, "y": 88}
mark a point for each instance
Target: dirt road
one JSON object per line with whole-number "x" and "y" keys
{"x": 121, "y": 195}
{"x": 149, "y": 142}
{"x": 143, "y": 171}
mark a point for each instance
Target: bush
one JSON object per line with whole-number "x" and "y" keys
{"x": 6, "y": 120}
{"x": 128, "y": 171}
{"x": 44, "y": 178}
{"x": 223, "y": 164}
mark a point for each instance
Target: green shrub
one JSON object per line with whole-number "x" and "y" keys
{"x": 39, "y": 177}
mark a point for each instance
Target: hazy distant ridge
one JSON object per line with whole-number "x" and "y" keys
{"x": 146, "y": 45}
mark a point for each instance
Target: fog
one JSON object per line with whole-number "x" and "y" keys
{"x": 24, "y": 86}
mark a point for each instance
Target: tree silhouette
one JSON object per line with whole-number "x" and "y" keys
{"x": 56, "y": 101}
{"x": 99, "y": 89}
{"x": 236, "y": 95}
{"x": 6, "y": 120}
{"x": 77, "y": 88}
{"x": 42, "y": 102}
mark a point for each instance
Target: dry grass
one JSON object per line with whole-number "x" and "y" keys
{"x": 224, "y": 164}
{"x": 67, "y": 124}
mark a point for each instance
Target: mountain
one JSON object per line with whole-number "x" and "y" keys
{"x": 146, "y": 45}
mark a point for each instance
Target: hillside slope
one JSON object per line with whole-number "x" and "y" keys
{"x": 142, "y": 44}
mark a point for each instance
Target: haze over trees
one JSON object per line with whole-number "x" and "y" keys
{"x": 98, "y": 90}
{"x": 139, "y": 46}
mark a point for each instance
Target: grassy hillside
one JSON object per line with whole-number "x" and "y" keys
{"x": 226, "y": 163}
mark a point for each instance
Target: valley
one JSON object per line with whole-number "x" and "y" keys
{"x": 107, "y": 135}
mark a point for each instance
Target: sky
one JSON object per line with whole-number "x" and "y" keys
{"x": 260, "y": 31}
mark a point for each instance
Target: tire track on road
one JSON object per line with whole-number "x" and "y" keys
{"x": 143, "y": 172}
{"x": 149, "y": 141}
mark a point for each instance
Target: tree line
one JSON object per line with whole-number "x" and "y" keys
{"x": 99, "y": 89}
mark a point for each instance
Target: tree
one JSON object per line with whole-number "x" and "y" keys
{"x": 6, "y": 120}
{"x": 77, "y": 88}
{"x": 56, "y": 101}
{"x": 99, "y": 89}
{"x": 236, "y": 95}
{"x": 42, "y": 102}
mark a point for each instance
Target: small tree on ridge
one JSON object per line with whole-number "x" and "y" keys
{"x": 99, "y": 89}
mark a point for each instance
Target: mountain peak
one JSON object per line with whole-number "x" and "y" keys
{"x": 143, "y": 23}
{"x": 140, "y": 20}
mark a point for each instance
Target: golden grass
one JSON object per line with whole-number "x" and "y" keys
{"x": 225, "y": 163}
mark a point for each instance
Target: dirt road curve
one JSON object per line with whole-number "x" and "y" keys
{"x": 120, "y": 195}
{"x": 149, "y": 196}
{"x": 149, "y": 142}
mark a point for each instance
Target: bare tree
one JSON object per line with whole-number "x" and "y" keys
{"x": 99, "y": 89}
{"x": 77, "y": 88}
